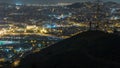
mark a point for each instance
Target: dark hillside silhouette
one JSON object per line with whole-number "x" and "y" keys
{"x": 91, "y": 49}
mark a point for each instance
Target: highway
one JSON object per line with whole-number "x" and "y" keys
{"x": 11, "y": 32}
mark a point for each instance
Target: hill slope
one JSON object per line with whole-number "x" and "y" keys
{"x": 92, "y": 49}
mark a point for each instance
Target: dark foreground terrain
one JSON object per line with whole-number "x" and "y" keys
{"x": 91, "y": 49}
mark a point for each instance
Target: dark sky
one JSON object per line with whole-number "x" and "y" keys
{"x": 46, "y": 1}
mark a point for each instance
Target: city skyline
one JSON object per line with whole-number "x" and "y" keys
{"x": 47, "y": 1}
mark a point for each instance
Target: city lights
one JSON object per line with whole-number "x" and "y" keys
{"x": 16, "y": 63}
{"x": 26, "y": 27}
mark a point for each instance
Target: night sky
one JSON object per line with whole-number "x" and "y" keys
{"x": 46, "y": 1}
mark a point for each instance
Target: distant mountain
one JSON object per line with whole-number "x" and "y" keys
{"x": 91, "y": 49}
{"x": 76, "y": 5}
{"x": 111, "y": 4}
{"x": 2, "y": 3}
{"x": 5, "y": 4}
{"x": 83, "y": 4}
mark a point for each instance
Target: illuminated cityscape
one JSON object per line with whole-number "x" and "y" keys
{"x": 28, "y": 28}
